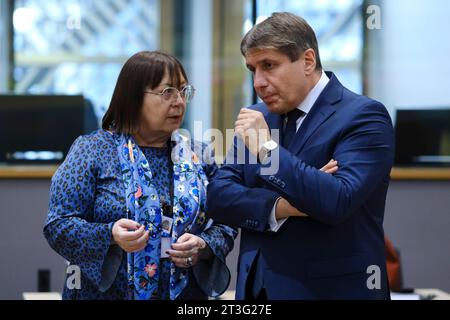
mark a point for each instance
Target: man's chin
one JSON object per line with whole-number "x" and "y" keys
{"x": 276, "y": 108}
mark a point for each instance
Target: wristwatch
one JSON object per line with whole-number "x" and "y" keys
{"x": 266, "y": 149}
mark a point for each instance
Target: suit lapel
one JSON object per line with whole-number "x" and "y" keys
{"x": 323, "y": 109}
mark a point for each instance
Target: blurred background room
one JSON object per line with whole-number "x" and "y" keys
{"x": 59, "y": 62}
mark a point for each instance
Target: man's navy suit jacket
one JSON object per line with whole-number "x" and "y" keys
{"x": 338, "y": 251}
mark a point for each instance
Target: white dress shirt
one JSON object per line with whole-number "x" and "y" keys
{"x": 304, "y": 106}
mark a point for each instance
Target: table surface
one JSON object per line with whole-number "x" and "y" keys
{"x": 46, "y": 172}
{"x": 424, "y": 294}
{"x": 42, "y": 296}
{"x": 433, "y": 294}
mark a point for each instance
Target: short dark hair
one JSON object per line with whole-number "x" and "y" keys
{"x": 143, "y": 70}
{"x": 283, "y": 31}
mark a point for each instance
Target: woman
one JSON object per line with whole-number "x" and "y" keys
{"x": 138, "y": 187}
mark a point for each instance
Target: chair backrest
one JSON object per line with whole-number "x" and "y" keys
{"x": 393, "y": 265}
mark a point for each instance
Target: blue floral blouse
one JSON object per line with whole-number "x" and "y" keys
{"x": 87, "y": 196}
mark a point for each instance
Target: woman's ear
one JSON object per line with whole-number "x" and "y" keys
{"x": 309, "y": 61}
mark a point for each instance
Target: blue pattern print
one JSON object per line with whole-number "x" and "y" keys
{"x": 88, "y": 195}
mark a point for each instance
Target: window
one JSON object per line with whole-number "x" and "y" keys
{"x": 73, "y": 47}
{"x": 339, "y": 30}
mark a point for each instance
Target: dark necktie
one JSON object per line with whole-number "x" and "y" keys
{"x": 290, "y": 127}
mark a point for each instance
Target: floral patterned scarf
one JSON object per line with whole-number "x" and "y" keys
{"x": 143, "y": 206}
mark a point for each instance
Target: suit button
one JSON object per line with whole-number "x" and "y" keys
{"x": 283, "y": 185}
{"x": 271, "y": 178}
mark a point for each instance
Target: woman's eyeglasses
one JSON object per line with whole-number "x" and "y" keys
{"x": 171, "y": 93}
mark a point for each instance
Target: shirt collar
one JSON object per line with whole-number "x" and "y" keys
{"x": 315, "y": 92}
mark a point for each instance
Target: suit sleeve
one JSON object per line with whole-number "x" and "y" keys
{"x": 69, "y": 230}
{"x": 364, "y": 151}
{"x": 213, "y": 275}
{"x": 233, "y": 203}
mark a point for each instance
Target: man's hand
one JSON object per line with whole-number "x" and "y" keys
{"x": 252, "y": 128}
{"x": 284, "y": 209}
{"x": 129, "y": 235}
{"x": 331, "y": 167}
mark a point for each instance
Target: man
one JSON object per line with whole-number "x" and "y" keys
{"x": 306, "y": 234}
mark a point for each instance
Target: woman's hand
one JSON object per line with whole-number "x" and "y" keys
{"x": 129, "y": 235}
{"x": 188, "y": 250}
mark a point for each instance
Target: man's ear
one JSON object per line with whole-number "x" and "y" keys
{"x": 309, "y": 57}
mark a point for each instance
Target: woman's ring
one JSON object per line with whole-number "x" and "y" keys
{"x": 188, "y": 261}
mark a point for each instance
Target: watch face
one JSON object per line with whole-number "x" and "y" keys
{"x": 266, "y": 149}
{"x": 270, "y": 145}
